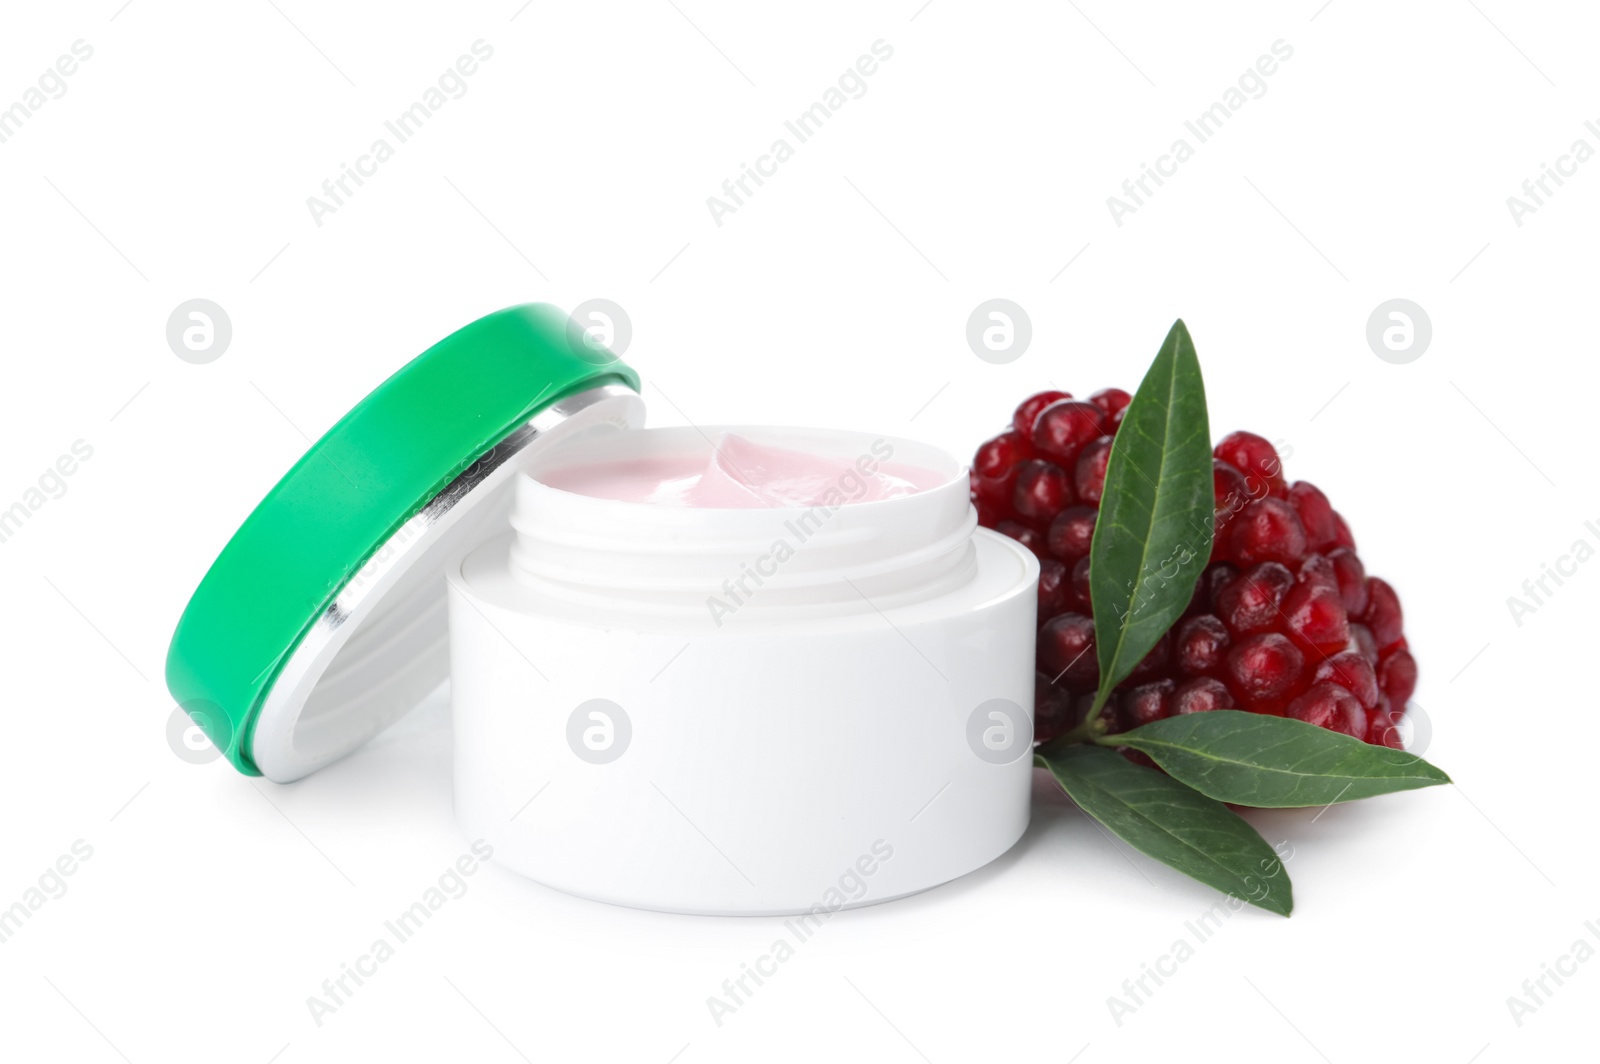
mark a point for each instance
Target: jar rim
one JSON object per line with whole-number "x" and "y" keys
{"x": 651, "y": 557}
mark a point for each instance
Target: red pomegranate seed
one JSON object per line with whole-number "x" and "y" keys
{"x": 1066, "y": 652}
{"x": 1022, "y": 420}
{"x": 1080, "y": 585}
{"x": 1201, "y": 695}
{"x": 1063, "y": 427}
{"x": 1384, "y": 730}
{"x": 1052, "y": 708}
{"x": 1055, "y": 589}
{"x": 1315, "y": 619}
{"x": 1352, "y": 577}
{"x": 1089, "y": 474}
{"x": 1025, "y": 536}
{"x": 1043, "y": 490}
{"x": 997, "y": 457}
{"x": 1072, "y": 532}
{"x": 1264, "y": 669}
{"x": 1200, "y": 645}
{"x": 1316, "y": 514}
{"x": 1318, "y": 570}
{"x": 1228, "y": 488}
{"x": 1382, "y": 614}
{"x": 1268, "y": 531}
{"x": 1251, "y": 601}
{"x": 1361, "y": 636}
{"x": 1353, "y": 672}
{"x": 1397, "y": 675}
{"x": 994, "y": 469}
{"x": 1256, "y": 458}
{"x": 1330, "y": 706}
{"x": 1343, "y": 538}
{"x": 1216, "y": 577}
{"x": 1152, "y": 664}
{"x": 1113, "y": 401}
{"x": 1145, "y": 703}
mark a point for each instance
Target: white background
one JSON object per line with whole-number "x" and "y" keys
{"x": 1377, "y": 165}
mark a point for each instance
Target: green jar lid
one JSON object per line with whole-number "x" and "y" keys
{"x": 323, "y": 619}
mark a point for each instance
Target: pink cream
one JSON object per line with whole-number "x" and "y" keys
{"x": 743, "y": 474}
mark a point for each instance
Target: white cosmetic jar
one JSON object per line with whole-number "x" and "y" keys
{"x": 743, "y": 711}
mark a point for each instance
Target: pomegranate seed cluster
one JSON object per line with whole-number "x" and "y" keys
{"x": 1284, "y": 619}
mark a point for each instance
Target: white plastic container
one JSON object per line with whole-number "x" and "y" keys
{"x": 743, "y": 711}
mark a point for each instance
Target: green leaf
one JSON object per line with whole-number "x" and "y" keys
{"x": 1176, "y": 825}
{"x": 1275, "y": 762}
{"x": 1153, "y": 535}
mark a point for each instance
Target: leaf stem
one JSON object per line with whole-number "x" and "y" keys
{"x": 1091, "y": 726}
{"x": 1089, "y": 731}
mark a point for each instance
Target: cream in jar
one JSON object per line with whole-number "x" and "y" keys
{"x": 738, "y": 472}
{"x": 736, "y": 663}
